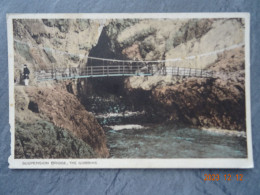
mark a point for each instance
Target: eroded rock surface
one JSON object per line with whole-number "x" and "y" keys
{"x": 65, "y": 111}
{"x": 44, "y": 140}
{"x": 48, "y": 43}
{"x": 209, "y": 102}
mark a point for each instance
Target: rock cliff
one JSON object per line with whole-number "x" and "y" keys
{"x": 215, "y": 44}
{"x": 53, "y": 43}
{"x": 65, "y": 112}
{"x": 47, "y": 44}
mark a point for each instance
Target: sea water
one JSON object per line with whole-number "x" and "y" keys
{"x": 171, "y": 141}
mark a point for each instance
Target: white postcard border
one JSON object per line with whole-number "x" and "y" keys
{"x": 129, "y": 163}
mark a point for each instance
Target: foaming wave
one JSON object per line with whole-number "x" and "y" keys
{"x": 129, "y": 126}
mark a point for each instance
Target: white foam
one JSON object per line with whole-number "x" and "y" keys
{"x": 227, "y": 132}
{"x": 129, "y": 126}
{"x": 120, "y": 114}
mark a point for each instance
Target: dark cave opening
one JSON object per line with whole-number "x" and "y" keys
{"x": 111, "y": 92}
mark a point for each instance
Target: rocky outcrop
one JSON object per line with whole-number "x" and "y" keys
{"x": 63, "y": 109}
{"x": 204, "y": 103}
{"x": 209, "y": 102}
{"x": 146, "y": 37}
{"x": 44, "y": 140}
{"x": 48, "y": 43}
{"x": 194, "y": 29}
{"x": 203, "y": 45}
{"x": 223, "y": 33}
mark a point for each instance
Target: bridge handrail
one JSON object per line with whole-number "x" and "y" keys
{"x": 131, "y": 61}
{"x": 91, "y": 71}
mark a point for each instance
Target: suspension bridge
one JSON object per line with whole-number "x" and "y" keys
{"x": 119, "y": 70}
{"x": 103, "y": 67}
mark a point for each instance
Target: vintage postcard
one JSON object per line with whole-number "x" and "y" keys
{"x": 129, "y": 90}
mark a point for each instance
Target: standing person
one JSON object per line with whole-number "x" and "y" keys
{"x": 164, "y": 64}
{"x": 26, "y": 73}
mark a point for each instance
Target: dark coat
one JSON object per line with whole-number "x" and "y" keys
{"x": 26, "y": 73}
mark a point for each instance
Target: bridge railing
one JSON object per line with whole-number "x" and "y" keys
{"x": 111, "y": 70}
{"x": 119, "y": 70}
{"x": 189, "y": 72}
